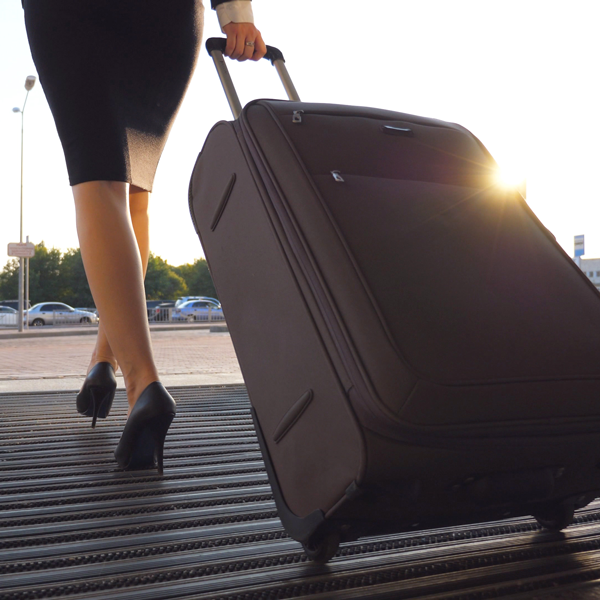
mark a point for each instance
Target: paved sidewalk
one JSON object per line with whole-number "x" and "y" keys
{"x": 183, "y": 356}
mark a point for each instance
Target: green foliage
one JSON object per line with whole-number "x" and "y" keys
{"x": 198, "y": 278}
{"x": 61, "y": 277}
{"x": 45, "y": 275}
{"x": 162, "y": 281}
{"x": 9, "y": 280}
{"x": 76, "y": 290}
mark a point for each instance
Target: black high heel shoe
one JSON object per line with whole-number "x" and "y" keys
{"x": 98, "y": 392}
{"x": 141, "y": 445}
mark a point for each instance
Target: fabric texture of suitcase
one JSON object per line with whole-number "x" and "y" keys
{"x": 417, "y": 348}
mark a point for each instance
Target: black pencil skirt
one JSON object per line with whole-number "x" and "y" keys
{"x": 114, "y": 73}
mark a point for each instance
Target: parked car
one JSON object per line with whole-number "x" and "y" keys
{"x": 197, "y": 310}
{"x": 88, "y": 309}
{"x": 57, "y": 313}
{"x": 14, "y": 304}
{"x": 8, "y": 315}
{"x": 183, "y": 299}
{"x": 161, "y": 312}
{"x": 151, "y": 307}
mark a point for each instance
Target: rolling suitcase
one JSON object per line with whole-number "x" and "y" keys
{"x": 417, "y": 348}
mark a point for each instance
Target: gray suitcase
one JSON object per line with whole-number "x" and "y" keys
{"x": 417, "y": 348}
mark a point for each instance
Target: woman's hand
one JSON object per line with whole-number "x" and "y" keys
{"x": 244, "y": 42}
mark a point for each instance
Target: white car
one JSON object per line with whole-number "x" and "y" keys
{"x": 57, "y": 313}
{"x": 183, "y": 299}
{"x": 8, "y": 315}
{"x": 197, "y": 310}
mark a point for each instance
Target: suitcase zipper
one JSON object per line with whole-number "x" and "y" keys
{"x": 371, "y": 413}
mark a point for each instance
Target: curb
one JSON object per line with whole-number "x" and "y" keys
{"x": 13, "y": 335}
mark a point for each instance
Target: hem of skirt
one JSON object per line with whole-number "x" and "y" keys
{"x": 73, "y": 181}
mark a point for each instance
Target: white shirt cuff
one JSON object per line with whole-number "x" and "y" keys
{"x": 237, "y": 11}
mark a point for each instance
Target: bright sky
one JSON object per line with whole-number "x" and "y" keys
{"x": 520, "y": 74}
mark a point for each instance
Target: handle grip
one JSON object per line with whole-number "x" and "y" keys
{"x": 216, "y": 48}
{"x": 220, "y": 44}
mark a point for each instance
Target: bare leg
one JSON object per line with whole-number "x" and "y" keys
{"x": 114, "y": 269}
{"x": 138, "y": 209}
{"x": 102, "y": 351}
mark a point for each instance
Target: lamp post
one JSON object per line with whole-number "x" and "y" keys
{"x": 29, "y": 83}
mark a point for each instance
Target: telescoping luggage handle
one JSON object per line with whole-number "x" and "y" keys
{"x": 216, "y": 48}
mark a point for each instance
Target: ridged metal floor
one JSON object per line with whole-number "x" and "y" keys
{"x": 73, "y": 526}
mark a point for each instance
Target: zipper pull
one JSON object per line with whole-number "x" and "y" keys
{"x": 337, "y": 176}
{"x": 297, "y": 118}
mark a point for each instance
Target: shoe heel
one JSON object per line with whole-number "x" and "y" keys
{"x": 142, "y": 444}
{"x": 101, "y": 403}
{"x": 148, "y": 443}
{"x": 97, "y": 393}
{"x": 159, "y": 457}
{"x": 160, "y": 429}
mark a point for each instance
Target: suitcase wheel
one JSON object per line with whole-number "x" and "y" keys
{"x": 556, "y": 517}
{"x": 321, "y": 549}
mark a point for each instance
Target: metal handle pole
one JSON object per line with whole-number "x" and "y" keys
{"x": 227, "y": 83}
{"x": 216, "y": 47}
{"x": 286, "y": 80}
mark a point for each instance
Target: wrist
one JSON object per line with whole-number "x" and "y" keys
{"x": 236, "y": 11}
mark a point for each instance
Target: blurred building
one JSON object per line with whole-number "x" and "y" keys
{"x": 591, "y": 268}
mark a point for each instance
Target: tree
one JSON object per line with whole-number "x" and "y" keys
{"x": 52, "y": 277}
{"x": 198, "y": 278}
{"x": 75, "y": 288}
{"x": 61, "y": 277}
{"x": 9, "y": 280}
{"x": 44, "y": 275}
{"x": 162, "y": 281}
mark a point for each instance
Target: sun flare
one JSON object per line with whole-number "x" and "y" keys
{"x": 511, "y": 178}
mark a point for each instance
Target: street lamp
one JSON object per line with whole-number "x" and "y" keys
{"x": 29, "y": 83}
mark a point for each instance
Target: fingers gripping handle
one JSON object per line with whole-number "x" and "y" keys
{"x": 220, "y": 44}
{"x": 216, "y": 48}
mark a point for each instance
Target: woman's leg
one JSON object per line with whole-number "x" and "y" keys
{"x": 115, "y": 272}
{"x": 138, "y": 209}
{"x": 102, "y": 351}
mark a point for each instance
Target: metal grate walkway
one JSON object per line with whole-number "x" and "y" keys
{"x": 73, "y": 526}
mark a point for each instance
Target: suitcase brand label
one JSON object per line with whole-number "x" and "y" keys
{"x": 403, "y": 131}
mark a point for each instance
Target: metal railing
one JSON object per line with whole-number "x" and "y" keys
{"x": 56, "y": 319}
{"x": 8, "y": 320}
{"x": 174, "y": 315}
{"x": 157, "y": 315}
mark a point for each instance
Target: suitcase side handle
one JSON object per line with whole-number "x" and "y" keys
{"x": 216, "y": 48}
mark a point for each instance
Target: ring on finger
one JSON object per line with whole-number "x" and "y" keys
{"x": 249, "y": 43}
